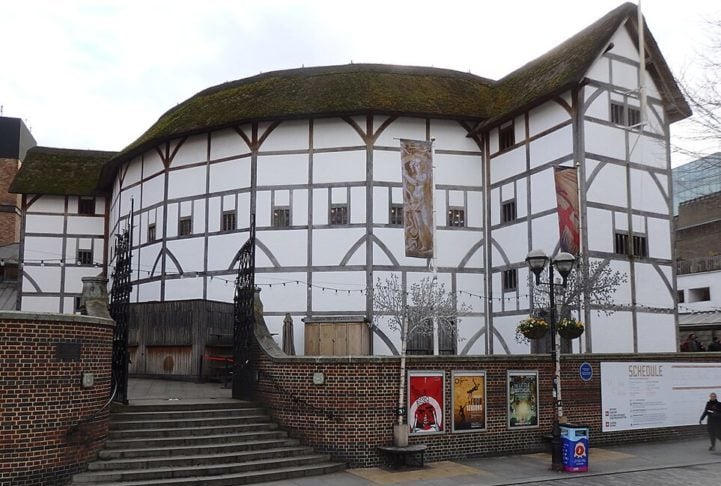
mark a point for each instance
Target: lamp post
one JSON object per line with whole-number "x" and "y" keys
{"x": 536, "y": 261}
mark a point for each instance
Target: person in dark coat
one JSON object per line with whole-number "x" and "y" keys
{"x": 714, "y": 345}
{"x": 713, "y": 425}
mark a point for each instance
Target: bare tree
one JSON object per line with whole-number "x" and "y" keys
{"x": 418, "y": 309}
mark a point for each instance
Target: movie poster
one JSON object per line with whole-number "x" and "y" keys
{"x": 522, "y": 399}
{"x": 469, "y": 401}
{"x": 425, "y": 402}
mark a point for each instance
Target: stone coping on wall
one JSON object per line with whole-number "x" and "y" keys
{"x": 54, "y": 317}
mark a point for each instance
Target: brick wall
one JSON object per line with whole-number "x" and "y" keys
{"x": 41, "y": 397}
{"x": 354, "y": 410}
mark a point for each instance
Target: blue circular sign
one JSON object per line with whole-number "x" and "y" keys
{"x": 586, "y": 371}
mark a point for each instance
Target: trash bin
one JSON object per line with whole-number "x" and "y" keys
{"x": 574, "y": 443}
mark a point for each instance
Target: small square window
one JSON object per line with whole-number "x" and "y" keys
{"x": 339, "y": 214}
{"x": 508, "y": 211}
{"x": 85, "y": 257}
{"x": 634, "y": 116}
{"x": 510, "y": 280}
{"x": 679, "y": 294}
{"x": 457, "y": 217}
{"x": 281, "y": 217}
{"x": 506, "y": 136}
{"x": 228, "y": 223}
{"x": 185, "y": 226}
{"x": 77, "y": 309}
{"x": 618, "y": 114}
{"x": 86, "y": 205}
{"x": 151, "y": 233}
{"x": 640, "y": 246}
{"x": 701, "y": 294}
{"x": 395, "y": 216}
{"x": 621, "y": 244}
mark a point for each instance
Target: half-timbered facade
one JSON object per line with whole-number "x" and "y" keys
{"x": 314, "y": 154}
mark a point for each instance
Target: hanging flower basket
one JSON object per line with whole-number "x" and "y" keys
{"x": 531, "y": 328}
{"x": 570, "y": 328}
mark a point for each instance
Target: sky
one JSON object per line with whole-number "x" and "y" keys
{"x": 96, "y": 75}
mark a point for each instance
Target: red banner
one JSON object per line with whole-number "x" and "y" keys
{"x": 425, "y": 396}
{"x": 568, "y": 209}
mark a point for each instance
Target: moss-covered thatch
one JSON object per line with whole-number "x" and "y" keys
{"x": 48, "y": 170}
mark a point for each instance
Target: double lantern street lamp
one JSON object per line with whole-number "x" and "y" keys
{"x": 563, "y": 262}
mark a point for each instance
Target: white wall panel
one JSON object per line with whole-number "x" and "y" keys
{"x": 544, "y": 233}
{"x": 37, "y": 223}
{"x": 624, "y": 75}
{"x": 710, "y": 280}
{"x": 331, "y": 245}
{"x": 290, "y": 297}
{"x": 148, "y": 292}
{"x": 86, "y": 225}
{"x": 506, "y": 327}
{"x": 508, "y": 164}
{"x": 552, "y": 146}
{"x": 380, "y": 347}
{"x": 656, "y": 333}
{"x": 612, "y": 334}
{"x": 386, "y": 166}
{"x": 474, "y": 213}
{"x": 599, "y": 70}
{"x": 263, "y": 208}
{"x": 609, "y": 186}
{"x": 223, "y": 248}
{"x": 330, "y": 300}
{"x": 521, "y": 198}
{"x": 410, "y": 128}
{"x": 147, "y": 259}
{"x": 194, "y": 150}
{"x": 473, "y": 283}
{"x": 462, "y": 170}
{"x": 188, "y": 251}
{"x": 153, "y": 191}
{"x": 659, "y": 238}
{"x": 650, "y": 288}
{"x": 645, "y": 193}
{"x": 543, "y": 191}
{"x": 274, "y": 170}
{"x": 650, "y": 152}
{"x": 73, "y": 279}
{"x": 289, "y": 135}
{"x": 357, "y": 205}
{"x": 133, "y": 173}
{"x": 40, "y": 304}
{"x": 289, "y": 247}
{"x": 47, "y": 277}
{"x": 128, "y": 197}
{"x": 227, "y": 143}
{"x": 214, "y": 208}
{"x": 381, "y": 205}
{"x": 186, "y": 182}
{"x": 454, "y": 245}
{"x": 43, "y": 248}
{"x": 450, "y": 135}
{"x": 299, "y": 213}
{"x": 340, "y": 166}
{"x": 514, "y": 241}
{"x": 152, "y": 163}
{"x": 600, "y": 230}
{"x": 183, "y": 288}
{"x": 221, "y": 289}
{"x": 199, "y": 216}
{"x": 230, "y": 175}
{"x": 605, "y": 140}
{"x": 335, "y": 132}
{"x": 243, "y": 210}
{"x": 171, "y": 226}
{"x": 49, "y": 204}
{"x": 320, "y": 206}
{"x": 393, "y": 239}
{"x": 546, "y": 116}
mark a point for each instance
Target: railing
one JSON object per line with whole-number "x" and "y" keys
{"x": 698, "y": 264}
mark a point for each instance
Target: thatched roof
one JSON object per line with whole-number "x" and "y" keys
{"x": 47, "y": 170}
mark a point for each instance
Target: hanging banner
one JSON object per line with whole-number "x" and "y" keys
{"x": 469, "y": 397}
{"x": 425, "y": 397}
{"x": 417, "y": 174}
{"x": 522, "y": 399}
{"x": 567, "y": 203}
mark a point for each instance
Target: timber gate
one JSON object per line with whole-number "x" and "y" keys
{"x": 243, "y": 319}
{"x": 120, "y": 310}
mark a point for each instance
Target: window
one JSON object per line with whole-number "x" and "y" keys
{"x": 396, "y": 214}
{"x": 281, "y": 217}
{"x": 228, "y": 223}
{"x": 86, "y": 205}
{"x": 77, "y": 309}
{"x": 185, "y": 226}
{"x": 506, "y": 136}
{"x": 420, "y": 341}
{"x": 456, "y": 217}
{"x": 510, "y": 280}
{"x": 702, "y": 294}
{"x": 679, "y": 296}
{"x": 85, "y": 257}
{"x": 627, "y": 116}
{"x": 508, "y": 211}
{"x": 339, "y": 214}
{"x": 151, "y": 233}
{"x": 636, "y": 245}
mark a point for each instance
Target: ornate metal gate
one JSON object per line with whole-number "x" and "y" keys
{"x": 120, "y": 310}
{"x": 243, "y": 318}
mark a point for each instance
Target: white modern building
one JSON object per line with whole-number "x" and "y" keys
{"x": 314, "y": 154}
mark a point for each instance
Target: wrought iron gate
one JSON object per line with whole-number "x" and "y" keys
{"x": 243, "y": 318}
{"x": 120, "y": 310}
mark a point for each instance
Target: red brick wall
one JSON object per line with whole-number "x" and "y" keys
{"x": 354, "y": 411}
{"x": 41, "y": 397}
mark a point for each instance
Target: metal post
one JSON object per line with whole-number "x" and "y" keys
{"x": 556, "y": 449}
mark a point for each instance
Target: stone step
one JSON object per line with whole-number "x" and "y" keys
{"x": 212, "y": 448}
{"x": 200, "y": 470}
{"x": 186, "y": 414}
{"x": 193, "y": 440}
{"x": 192, "y": 431}
{"x": 189, "y": 405}
{"x": 186, "y": 422}
{"x": 265, "y": 475}
{"x": 149, "y": 462}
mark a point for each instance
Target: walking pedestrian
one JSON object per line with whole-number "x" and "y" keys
{"x": 713, "y": 425}
{"x": 714, "y": 345}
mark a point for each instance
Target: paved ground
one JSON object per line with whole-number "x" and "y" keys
{"x": 655, "y": 463}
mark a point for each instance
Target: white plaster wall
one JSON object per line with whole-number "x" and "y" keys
{"x": 609, "y": 186}
{"x": 275, "y": 170}
{"x": 473, "y": 283}
{"x": 471, "y": 338}
{"x": 193, "y": 151}
{"x": 320, "y": 206}
{"x": 604, "y": 140}
{"x": 289, "y": 135}
{"x": 186, "y": 182}
{"x": 152, "y": 163}
{"x": 600, "y": 106}
{"x": 128, "y": 197}
{"x": 450, "y": 135}
{"x": 41, "y": 304}
{"x": 651, "y": 289}
{"x": 153, "y": 191}
{"x": 656, "y": 333}
{"x": 508, "y": 164}
{"x": 543, "y": 191}
{"x": 335, "y": 132}
{"x": 132, "y": 172}
{"x": 649, "y": 151}
{"x": 299, "y": 212}
{"x": 38, "y": 223}
{"x": 381, "y": 205}
{"x": 504, "y": 336}
{"x": 73, "y": 279}
{"x": 546, "y": 116}
{"x": 393, "y": 239}
{"x": 624, "y": 75}
{"x": 263, "y": 208}
{"x": 148, "y": 292}
{"x": 454, "y": 246}
{"x": 600, "y": 230}
{"x": 85, "y": 225}
{"x": 286, "y": 293}
{"x": 646, "y": 194}
{"x": 599, "y": 70}
{"x": 408, "y": 128}
{"x": 230, "y": 175}
{"x": 331, "y": 245}
{"x": 227, "y": 143}
{"x": 474, "y": 213}
{"x": 544, "y": 233}
{"x": 379, "y": 346}
{"x": 288, "y": 247}
{"x": 612, "y": 334}
{"x": 188, "y": 251}
{"x": 659, "y": 238}
{"x": 386, "y": 166}
{"x": 148, "y": 257}
{"x": 43, "y": 248}
{"x": 183, "y": 288}
{"x": 48, "y": 204}
{"x": 357, "y": 205}
{"x": 221, "y": 288}
{"x": 459, "y": 170}
{"x": 331, "y": 301}
{"x": 514, "y": 241}
{"x": 340, "y": 167}
{"x": 47, "y": 277}
{"x": 686, "y": 282}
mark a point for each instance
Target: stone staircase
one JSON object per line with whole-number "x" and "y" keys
{"x": 214, "y": 444}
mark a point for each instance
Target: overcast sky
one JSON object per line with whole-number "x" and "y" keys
{"x": 96, "y": 75}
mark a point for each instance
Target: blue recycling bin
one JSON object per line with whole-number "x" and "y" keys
{"x": 574, "y": 443}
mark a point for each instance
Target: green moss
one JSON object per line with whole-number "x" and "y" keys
{"x": 47, "y": 170}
